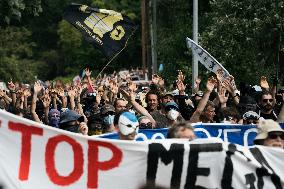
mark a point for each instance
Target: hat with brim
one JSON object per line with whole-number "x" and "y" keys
{"x": 70, "y": 115}
{"x": 267, "y": 126}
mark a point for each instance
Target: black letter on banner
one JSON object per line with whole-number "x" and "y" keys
{"x": 226, "y": 181}
{"x": 250, "y": 179}
{"x": 200, "y": 53}
{"x": 193, "y": 170}
{"x": 261, "y": 172}
{"x": 175, "y": 154}
{"x": 228, "y": 168}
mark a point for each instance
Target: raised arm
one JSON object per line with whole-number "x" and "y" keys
{"x": 211, "y": 82}
{"x": 130, "y": 96}
{"x": 37, "y": 89}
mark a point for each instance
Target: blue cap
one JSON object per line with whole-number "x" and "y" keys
{"x": 171, "y": 105}
{"x": 70, "y": 115}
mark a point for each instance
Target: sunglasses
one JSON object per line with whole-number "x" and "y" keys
{"x": 266, "y": 100}
{"x": 252, "y": 122}
{"x": 275, "y": 136}
{"x": 146, "y": 125}
{"x": 251, "y": 117}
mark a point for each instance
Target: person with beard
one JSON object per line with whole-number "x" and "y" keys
{"x": 152, "y": 100}
{"x": 266, "y": 104}
{"x": 160, "y": 116}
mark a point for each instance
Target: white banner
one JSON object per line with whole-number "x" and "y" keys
{"x": 34, "y": 156}
{"x": 206, "y": 59}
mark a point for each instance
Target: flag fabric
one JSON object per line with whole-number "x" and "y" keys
{"x": 106, "y": 29}
{"x": 206, "y": 59}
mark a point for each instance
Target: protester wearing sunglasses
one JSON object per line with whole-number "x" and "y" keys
{"x": 250, "y": 118}
{"x": 267, "y": 104}
{"x": 270, "y": 134}
{"x": 145, "y": 123}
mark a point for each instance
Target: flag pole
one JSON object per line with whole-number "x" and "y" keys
{"x": 195, "y": 38}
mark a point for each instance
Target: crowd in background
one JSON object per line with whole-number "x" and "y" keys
{"x": 128, "y": 101}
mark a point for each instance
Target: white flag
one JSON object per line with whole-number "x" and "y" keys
{"x": 207, "y": 60}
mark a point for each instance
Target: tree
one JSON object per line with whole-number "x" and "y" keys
{"x": 13, "y": 10}
{"x": 16, "y": 55}
{"x": 245, "y": 36}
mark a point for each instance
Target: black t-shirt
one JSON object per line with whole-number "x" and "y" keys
{"x": 272, "y": 116}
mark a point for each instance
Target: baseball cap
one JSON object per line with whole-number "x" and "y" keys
{"x": 171, "y": 105}
{"x": 70, "y": 115}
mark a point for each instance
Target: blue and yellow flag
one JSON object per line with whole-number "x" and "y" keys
{"x": 106, "y": 29}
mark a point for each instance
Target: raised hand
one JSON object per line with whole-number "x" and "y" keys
{"x": 37, "y": 87}
{"x": 180, "y": 86}
{"x": 129, "y": 95}
{"x": 71, "y": 92}
{"x": 227, "y": 84}
{"x": 211, "y": 83}
{"x": 180, "y": 76}
{"x": 60, "y": 92}
{"x": 83, "y": 128}
{"x": 114, "y": 87}
{"x": 223, "y": 98}
{"x": 26, "y": 93}
{"x": 132, "y": 86}
{"x": 263, "y": 83}
{"x": 46, "y": 101}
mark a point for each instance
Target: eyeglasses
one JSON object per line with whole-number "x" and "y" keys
{"x": 275, "y": 136}
{"x": 146, "y": 125}
{"x": 266, "y": 100}
{"x": 254, "y": 117}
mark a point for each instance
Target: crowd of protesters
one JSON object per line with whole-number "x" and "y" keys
{"x": 118, "y": 103}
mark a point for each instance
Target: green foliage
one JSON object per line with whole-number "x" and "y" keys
{"x": 16, "y": 55}
{"x": 245, "y": 36}
{"x": 13, "y": 10}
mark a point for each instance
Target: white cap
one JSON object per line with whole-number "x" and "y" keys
{"x": 265, "y": 127}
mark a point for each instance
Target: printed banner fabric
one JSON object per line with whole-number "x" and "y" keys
{"x": 206, "y": 59}
{"x": 106, "y": 29}
{"x": 34, "y": 156}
